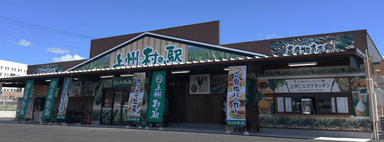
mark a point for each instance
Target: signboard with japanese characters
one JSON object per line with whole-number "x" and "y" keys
{"x": 236, "y": 97}
{"x": 156, "y": 98}
{"x": 313, "y": 45}
{"x": 27, "y": 93}
{"x": 51, "y": 68}
{"x": 136, "y": 97}
{"x": 64, "y": 98}
{"x": 311, "y": 85}
{"x": 50, "y": 99}
{"x": 199, "y": 84}
{"x": 122, "y": 82}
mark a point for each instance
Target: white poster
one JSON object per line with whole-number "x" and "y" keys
{"x": 342, "y": 104}
{"x": 236, "y": 95}
{"x": 75, "y": 89}
{"x": 199, "y": 84}
{"x": 307, "y": 85}
{"x": 280, "y": 104}
{"x": 288, "y": 104}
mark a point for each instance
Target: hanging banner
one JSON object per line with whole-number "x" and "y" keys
{"x": 136, "y": 97}
{"x": 50, "y": 100}
{"x": 64, "y": 98}
{"x": 156, "y": 98}
{"x": 27, "y": 93}
{"x": 236, "y": 95}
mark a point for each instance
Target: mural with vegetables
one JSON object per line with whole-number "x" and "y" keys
{"x": 265, "y": 96}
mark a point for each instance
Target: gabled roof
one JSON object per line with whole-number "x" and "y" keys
{"x": 195, "y": 43}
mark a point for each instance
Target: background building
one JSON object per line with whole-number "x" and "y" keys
{"x": 10, "y": 94}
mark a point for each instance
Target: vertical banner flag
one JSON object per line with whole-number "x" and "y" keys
{"x": 64, "y": 98}
{"x": 27, "y": 93}
{"x": 236, "y": 95}
{"x": 136, "y": 97}
{"x": 1, "y": 90}
{"x": 50, "y": 100}
{"x": 156, "y": 98}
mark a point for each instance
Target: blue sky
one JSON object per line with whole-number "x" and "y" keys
{"x": 240, "y": 21}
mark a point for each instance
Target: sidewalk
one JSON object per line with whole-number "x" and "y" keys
{"x": 194, "y": 130}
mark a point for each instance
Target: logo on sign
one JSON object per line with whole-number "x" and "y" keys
{"x": 159, "y": 78}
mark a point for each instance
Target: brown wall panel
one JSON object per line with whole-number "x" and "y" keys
{"x": 203, "y": 32}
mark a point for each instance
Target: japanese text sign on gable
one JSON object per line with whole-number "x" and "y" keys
{"x": 27, "y": 93}
{"x": 156, "y": 98}
{"x": 313, "y": 45}
{"x": 64, "y": 98}
{"x": 50, "y": 99}
{"x": 236, "y": 97}
{"x": 136, "y": 97}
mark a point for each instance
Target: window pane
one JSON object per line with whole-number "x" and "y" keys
{"x": 324, "y": 105}
{"x": 296, "y": 104}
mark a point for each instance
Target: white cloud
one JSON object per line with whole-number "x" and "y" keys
{"x": 270, "y": 36}
{"x": 57, "y": 50}
{"x": 24, "y": 42}
{"x": 67, "y": 58}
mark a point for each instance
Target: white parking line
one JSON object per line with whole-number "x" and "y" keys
{"x": 342, "y": 139}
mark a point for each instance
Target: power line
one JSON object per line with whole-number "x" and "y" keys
{"x": 42, "y": 28}
{"x": 45, "y": 42}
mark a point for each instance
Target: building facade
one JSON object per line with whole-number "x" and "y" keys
{"x": 183, "y": 77}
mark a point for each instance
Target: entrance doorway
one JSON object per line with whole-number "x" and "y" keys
{"x": 114, "y": 106}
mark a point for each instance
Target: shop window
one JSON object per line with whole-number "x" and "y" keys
{"x": 315, "y": 104}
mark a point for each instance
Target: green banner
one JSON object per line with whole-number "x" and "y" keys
{"x": 122, "y": 82}
{"x": 27, "y": 93}
{"x": 64, "y": 98}
{"x": 156, "y": 98}
{"x": 50, "y": 100}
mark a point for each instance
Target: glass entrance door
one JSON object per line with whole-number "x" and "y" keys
{"x": 114, "y": 106}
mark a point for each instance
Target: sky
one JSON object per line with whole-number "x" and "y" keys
{"x": 46, "y": 31}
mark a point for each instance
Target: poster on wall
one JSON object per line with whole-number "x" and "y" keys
{"x": 311, "y": 85}
{"x": 199, "y": 84}
{"x": 75, "y": 89}
{"x": 236, "y": 97}
{"x": 50, "y": 99}
{"x": 51, "y": 68}
{"x": 39, "y": 90}
{"x": 219, "y": 84}
{"x": 156, "y": 98}
{"x": 313, "y": 45}
{"x": 64, "y": 98}
{"x": 359, "y": 96}
{"x": 27, "y": 93}
{"x": 265, "y": 96}
{"x": 136, "y": 97}
{"x": 87, "y": 89}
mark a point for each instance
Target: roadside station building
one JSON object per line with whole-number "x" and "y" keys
{"x": 184, "y": 77}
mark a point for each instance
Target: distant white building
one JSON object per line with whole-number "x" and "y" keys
{"x": 8, "y": 69}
